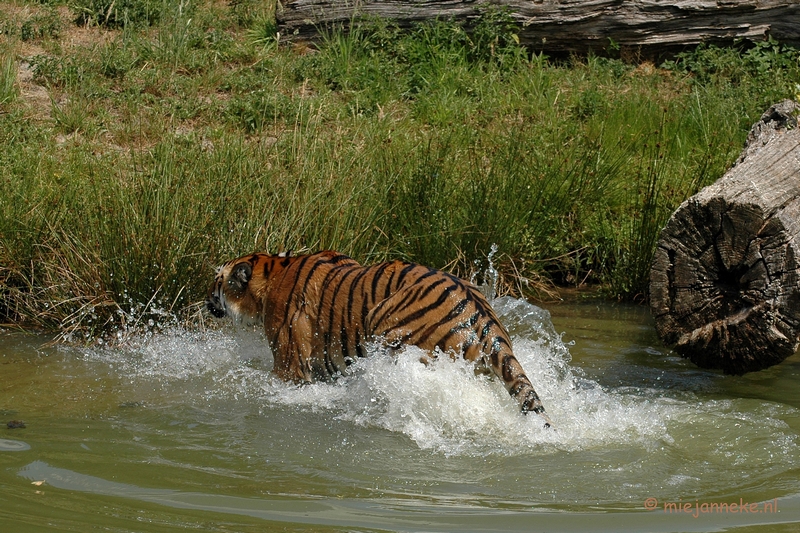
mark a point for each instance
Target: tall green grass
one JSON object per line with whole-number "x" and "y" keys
{"x": 192, "y": 138}
{"x": 8, "y": 78}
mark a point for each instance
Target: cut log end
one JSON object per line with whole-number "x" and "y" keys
{"x": 730, "y": 298}
{"x": 725, "y": 281}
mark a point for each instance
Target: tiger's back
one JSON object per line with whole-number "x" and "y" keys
{"x": 321, "y": 311}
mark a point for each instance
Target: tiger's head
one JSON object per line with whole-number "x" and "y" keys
{"x": 240, "y": 285}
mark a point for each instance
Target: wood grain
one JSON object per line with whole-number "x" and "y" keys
{"x": 574, "y": 26}
{"x": 725, "y": 281}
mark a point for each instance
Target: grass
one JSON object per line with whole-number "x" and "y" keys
{"x": 180, "y": 134}
{"x": 8, "y": 80}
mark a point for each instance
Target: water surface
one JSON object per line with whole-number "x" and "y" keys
{"x": 181, "y": 430}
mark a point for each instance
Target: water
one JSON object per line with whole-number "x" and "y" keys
{"x": 188, "y": 430}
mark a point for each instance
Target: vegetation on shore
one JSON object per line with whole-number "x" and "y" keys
{"x": 142, "y": 142}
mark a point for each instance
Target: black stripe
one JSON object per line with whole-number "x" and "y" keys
{"x": 332, "y": 312}
{"x": 326, "y": 341}
{"x": 386, "y": 309}
{"x": 454, "y": 313}
{"x": 458, "y": 328}
{"x": 332, "y": 369}
{"x": 502, "y": 342}
{"x": 365, "y": 309}
{"x": 351, "y": 293}
{"x": 468, "y": 323}
{"x": 532, "y": 398}
{"x": 415, "y": 293}
{"x": 522, "y": 383}
{"x": 345, "y": 340}
{"x": 507, "y": 361}
{"x": 288, "y": 305}
{"x": 487, "y": 328}
{"x": 470, "y": 341}
{"x": 378, "y": 274}
{"x": 359, "y": 344}
{"x": 392, "y": 287}
{"x": 421, "y": 312}
{"x": 338, "y": 258}
{"x": 327, "y": 287}
{"x": 494, "y": 358}
{"x": 358, "y": 324}
{"x": 319, "y": 260}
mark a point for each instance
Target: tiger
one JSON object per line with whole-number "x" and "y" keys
{"x": 322, "y": 311}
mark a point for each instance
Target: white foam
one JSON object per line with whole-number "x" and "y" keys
{"x": 444, "y": 406}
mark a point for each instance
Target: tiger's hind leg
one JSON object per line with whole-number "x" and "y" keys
{"x": 393, "y": 341}
{"x": 457, "y": 320}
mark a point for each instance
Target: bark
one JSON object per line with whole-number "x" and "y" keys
{"x": 725, "y": 280}
{"x": 575, "y": 26}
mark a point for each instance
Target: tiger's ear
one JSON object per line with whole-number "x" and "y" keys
{"x": 287, "y": 253}
{"x": 240, "y": 276}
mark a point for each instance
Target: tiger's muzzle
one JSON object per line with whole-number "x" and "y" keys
{"x": 215, "y": 307}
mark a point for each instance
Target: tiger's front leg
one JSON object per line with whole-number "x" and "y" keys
{"x": 292, "y": 348}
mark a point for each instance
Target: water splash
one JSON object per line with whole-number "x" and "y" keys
{"x": 490, "y": 276}
{"x": 445, "y": 407}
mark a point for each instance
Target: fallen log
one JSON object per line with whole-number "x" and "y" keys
{"x": 650, "y": 27}
{"x": 725, "y": 280}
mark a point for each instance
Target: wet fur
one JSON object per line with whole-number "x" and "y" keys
{"x": 320, "y": 312}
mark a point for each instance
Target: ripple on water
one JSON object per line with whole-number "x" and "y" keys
{"x": 445, "y": 407}
{"x": 8, "y": 445}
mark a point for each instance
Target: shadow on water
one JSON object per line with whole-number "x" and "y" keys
{"x": 616, "y": 344}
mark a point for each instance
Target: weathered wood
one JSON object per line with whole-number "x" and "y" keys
{"x": 725, "y": 281}
{"x": 580, "y": 26}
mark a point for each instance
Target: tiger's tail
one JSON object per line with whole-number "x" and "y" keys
{"x": 506, "y": 366}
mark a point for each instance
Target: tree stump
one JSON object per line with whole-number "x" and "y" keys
{"x": 648, "y": 27}
{"x": 725, "y": 280}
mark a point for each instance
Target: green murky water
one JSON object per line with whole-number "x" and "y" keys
{"x": 187, "y": 430}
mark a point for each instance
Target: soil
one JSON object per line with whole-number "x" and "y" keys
{"x": 36, "y": 98}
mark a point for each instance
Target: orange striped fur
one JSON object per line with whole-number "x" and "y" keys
{"x": 320, "y": 312}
